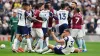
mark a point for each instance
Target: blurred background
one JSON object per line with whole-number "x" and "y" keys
{"x": 89, "y": 8}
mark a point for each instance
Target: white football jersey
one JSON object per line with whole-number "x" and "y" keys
{"x": 62, "y": 16}
{"x": 44, "y": 14}
{"x": 69, "y": 45}
{"x": 28, "y": 23}
{"x": 21, "y": 17}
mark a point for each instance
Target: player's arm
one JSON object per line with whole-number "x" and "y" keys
{"x": 81, "y": 20}
{"x": 56, "y": 39}
{"x": 10, "y": 22}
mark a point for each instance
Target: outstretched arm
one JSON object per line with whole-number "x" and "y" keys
{"x": 56, "y": 39}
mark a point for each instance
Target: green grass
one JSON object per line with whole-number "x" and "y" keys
{"x": 93, "y": 50}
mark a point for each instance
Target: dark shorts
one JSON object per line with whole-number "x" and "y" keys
{"x": 29, "y": 29}
{"x": 23, "y": 30}
{"x": 62, "y": 28}
{"x": 44, "y": 30}
{"x": 58, "y": 50}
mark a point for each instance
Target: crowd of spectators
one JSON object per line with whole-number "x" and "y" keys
{"x": 89, "y": 8}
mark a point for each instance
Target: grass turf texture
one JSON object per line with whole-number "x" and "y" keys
{"x": 93, "y": 50}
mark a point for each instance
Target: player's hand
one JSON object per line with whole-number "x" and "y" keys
{"x": 52, "y": 32}
{"x": 62, "y": 35}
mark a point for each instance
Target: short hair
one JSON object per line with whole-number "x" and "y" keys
{"x": 46, "y": 6}
{"x": 66, "y": 4}
{"x": 25, "y": 4}
{"x": 75, "y": 3}
{"x": 77, "y": 10}
{"x": 67, "y": 30}
{"x": 63, "y": 6}
{"x": 48, "y": 2}
{"x": 38, "y": 5}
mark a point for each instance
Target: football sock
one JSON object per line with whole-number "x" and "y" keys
{"x": 80, "y": 43}
{"x": 23, "y": 43}
{"x": 83, "y": 44}
{"x": 41, "y": 43}
{"x": 16, "y": 42}
{"x": 36, "y": 47}
{"x": 47, "y": 41}
{"x": 45, "y": 49}
{"x": 29, "y": 44}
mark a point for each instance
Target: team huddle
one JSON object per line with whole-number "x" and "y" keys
{"x": 64, "y": 26}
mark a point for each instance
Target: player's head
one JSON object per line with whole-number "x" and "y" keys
{"x": 14, "y": 13}
{"x": 46, "y": 6}
{"x": 74, "y": 5}
{"x": 63, "y": 6}
{"x": 49, "y": 4}
{"x": 25, "y": 6}
{"x": 30, "y": 7}
{"x": 76, "y": 10}
{"x": 39, "y": 6}
{"x": 66, "y": 32}
{"x": 67, "y": 6}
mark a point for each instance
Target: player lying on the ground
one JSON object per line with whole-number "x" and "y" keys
{"x": 66, "y": 44}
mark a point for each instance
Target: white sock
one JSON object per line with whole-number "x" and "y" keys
{"x": 41, "y": 43}
{"x": 23, "y": 43}
{"x": 15, "y": 45}
{"x": 47, "y": 41}
{"x": 45, "y": 49}
{"x": 80, "y": 43}
{"x": 31, "y": 41}
{"x": 83, "y": 44}
{"x": 36, "y": 47}
{"x": 29, "y": 44}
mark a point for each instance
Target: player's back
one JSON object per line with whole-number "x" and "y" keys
{"x": 21, "y": 17}
{"x": 77, "y": 21}
{"x": 37, "y": 24}
{"x": 62, "y": 16}
{"x": 44, "y": 14}
{"x": 69, "y": 44}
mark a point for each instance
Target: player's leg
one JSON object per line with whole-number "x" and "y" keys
{"x": 79, "y": 42}
{"x": 26, "y": 31}
{"x": 40, "y": 34}
{"x": 76, "y": 50}
{"x": 84, "y": 45}
{"x": 12, "y": 36}
{"x": 16, "y": 43}
{"x": 46, "y": 38}
{"x": 24, "y": 42}
{"x": 16, "y": 40}
{"x": 74, "y": 33}
{"x": 79, "y": 39}
{"x": 57, "y": 49}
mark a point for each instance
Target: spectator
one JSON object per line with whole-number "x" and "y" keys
{"x": 16, "y": 4}
{"x": 1, "y": 9}
{"x": 98, "y": 27}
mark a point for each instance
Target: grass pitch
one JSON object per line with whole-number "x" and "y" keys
{"x": 93, "y": 50}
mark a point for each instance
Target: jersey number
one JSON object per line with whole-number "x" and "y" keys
{"x": 19, "y": 15}
{"x": 72, "y": 43}
{"x": 77, "y": 20}
{"x": 62, "y": 16}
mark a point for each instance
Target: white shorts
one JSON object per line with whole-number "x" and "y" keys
{"x": 74, "y": 32}
{"x": 37, "y": 32}
{"x": 80, "y": 34}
